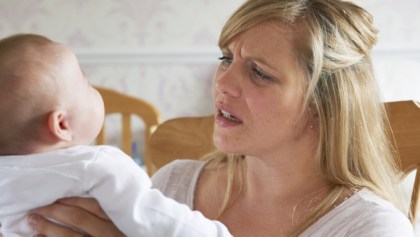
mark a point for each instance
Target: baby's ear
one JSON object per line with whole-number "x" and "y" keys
{"x": 59, "y": 125}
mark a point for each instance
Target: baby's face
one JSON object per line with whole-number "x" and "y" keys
{"x": 83, "y": 102}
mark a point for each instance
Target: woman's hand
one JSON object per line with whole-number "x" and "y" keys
{"x": 83, "y": 216}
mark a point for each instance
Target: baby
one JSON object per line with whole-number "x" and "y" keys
{"x": 49, "y": 115}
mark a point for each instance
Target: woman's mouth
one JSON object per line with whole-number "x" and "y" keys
{"x": 225, "y": 116}
{"x": 230, "y": 117}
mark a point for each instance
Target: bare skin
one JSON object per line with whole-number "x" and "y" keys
{"x": 278, "y": 213}
{"x": 85, "y": 213}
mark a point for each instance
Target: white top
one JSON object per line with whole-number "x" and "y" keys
{"x": 104, "y": 173}
{"x": 363, "y": 215}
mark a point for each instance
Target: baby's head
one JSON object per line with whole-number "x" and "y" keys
{"x": 46, "y": 101}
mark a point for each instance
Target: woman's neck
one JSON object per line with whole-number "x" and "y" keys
{"x": 280, "y": 192}
{"x": 290, "y": 176}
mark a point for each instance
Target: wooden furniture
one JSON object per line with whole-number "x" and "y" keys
{"x": 404, "y": 117}
{"x": 192, "y": 138}
{"x": 127, "y": 106}
{"x": 181, "y": 138}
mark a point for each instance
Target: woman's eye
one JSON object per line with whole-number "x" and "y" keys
{"x": 261, "y": 75}
{"x": 226, "y": 61}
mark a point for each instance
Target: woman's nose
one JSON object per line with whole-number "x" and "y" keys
{"x": 227, "y": 81}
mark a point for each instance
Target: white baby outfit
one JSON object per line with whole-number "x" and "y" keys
{"x": 105, "y": 173}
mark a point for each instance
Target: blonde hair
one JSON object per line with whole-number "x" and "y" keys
{"x": 24, "y": 93}
{"x": 333, "y": 43}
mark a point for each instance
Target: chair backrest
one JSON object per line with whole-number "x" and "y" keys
{"x": 181, "y": 138}
{"x": 127, "y": 106}
{"x": 191, "y": 138}
{"x": 404, "y": 117}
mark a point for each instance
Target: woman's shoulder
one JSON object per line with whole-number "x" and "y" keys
{"x": 178, "y": 179}
{"x": 363, "y": 214}
{"x": 380, "y": 217}
{"x": 177, "y": 169}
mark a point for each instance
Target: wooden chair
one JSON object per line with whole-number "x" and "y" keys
{"x": 181, "y": 138}
{"x": 119, "y": 103}
{"x": 192, "y": 138}
{"x": 404, "y": 117}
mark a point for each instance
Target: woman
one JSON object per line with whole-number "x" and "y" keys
{"x": 301, "y": 134}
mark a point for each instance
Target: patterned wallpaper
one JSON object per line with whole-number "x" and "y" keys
{"x": 397, "y": 55}
{"x": 165, "y": 51}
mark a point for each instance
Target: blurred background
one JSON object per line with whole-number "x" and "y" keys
{"x": 165, "y": 51}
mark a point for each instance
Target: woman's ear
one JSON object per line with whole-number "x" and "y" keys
{"x": 59, "y": 125}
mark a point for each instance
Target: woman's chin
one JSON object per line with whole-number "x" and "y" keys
{"x": 226, "y": 147}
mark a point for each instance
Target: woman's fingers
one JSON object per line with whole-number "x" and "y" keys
{"x": 88, "y": 204}
{"x": 74, "y": 216}
{"x": 50, "y": 229}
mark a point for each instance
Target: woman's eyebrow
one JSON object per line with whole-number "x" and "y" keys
{"x": 263, "y": 61}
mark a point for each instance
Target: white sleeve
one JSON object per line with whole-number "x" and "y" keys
{"x": 124, "y": 191}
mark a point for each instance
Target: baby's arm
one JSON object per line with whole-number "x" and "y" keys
{"x": 124, "y": 191}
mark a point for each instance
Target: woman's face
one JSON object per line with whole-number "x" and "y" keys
{"x": 259, "y": 90}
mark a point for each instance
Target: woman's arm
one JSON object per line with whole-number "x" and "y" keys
{"x": 84, "y": 217}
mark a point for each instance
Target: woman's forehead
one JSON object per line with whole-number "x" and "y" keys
{"x": 265, "y": 32}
